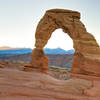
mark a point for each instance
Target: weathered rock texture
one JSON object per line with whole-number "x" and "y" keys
{"x": 2, "y": 64}
{"x": 39, "y": 59}
{"x": 87, "y": 51}
{"x": 20, "y": 85}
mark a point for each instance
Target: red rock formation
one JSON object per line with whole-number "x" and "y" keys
{"x": 2, "y": 65}
{"x": 87, "y": 51}
{"x": 18, "y": 85}
{"x": 39, "y": 60}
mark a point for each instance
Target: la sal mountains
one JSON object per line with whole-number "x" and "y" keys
{"x": 19, "y": 51}
{"x": 58, "y": 51}
{"x": 14, "y": 51}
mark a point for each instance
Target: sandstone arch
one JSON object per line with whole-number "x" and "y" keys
{"x": 87, "y": 51}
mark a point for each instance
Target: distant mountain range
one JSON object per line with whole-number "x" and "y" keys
{"x": 58, "y": 51}
{"x": 11, "y": 52}
{"x": 20, "y": 51}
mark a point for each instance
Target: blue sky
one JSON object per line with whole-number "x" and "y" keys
{"x": 19, "y": 18}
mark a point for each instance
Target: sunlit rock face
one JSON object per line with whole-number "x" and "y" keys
{"x": 1, "y": 64}
{"x": 39, "y": 60}
{"x": 87, "y": 51}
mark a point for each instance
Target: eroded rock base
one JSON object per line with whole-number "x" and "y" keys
{"x": 39, "y": 61}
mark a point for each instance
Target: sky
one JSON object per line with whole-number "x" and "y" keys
{"x": 19, "y": 19}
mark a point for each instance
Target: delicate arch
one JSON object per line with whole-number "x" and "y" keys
{"x": 84, "y": 43}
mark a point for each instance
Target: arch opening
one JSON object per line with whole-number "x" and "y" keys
{"x": 60, "y": 39}
{"x": 59, "y": 50}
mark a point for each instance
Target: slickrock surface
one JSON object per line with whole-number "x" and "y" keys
{"x": 87, "y": 51}
{"x": 20, "y": 85}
